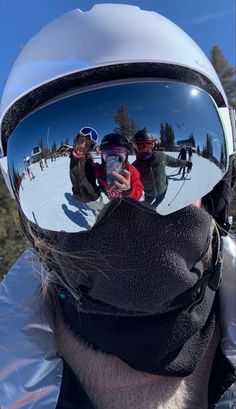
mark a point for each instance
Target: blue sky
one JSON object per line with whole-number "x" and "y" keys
{"x": 208, "y": 22}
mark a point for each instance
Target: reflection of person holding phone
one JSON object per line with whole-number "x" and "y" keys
{"x": 82, "y": 176}
{"x": 115, "y": 175}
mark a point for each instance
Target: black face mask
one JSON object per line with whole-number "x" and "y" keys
{"x": 135, "y": 269}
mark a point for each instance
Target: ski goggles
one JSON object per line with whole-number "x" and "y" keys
{"x": 92, "y": 133}
{"x": 60, "y": 196}
{"x": 143, "y": 145}
{"x": 112, "y": 150}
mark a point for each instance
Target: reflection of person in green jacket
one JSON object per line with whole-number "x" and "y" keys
{"x": 152, "y": 167}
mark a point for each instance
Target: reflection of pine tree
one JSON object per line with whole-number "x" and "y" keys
{"x": 209, "y": 146}
{"x": 207, "y": 151}
{"x": 198, "y": 150}
{"x": 54, "y": 147}
{"x": 167, "y": 136}
{"x": 41, "y": 145}
{"x": 44, "y": 148}
{"x": 222, "y": 155}
{"x": 192, "y": 140}
{"x": 162, "y": 135}
{"x": 67, "y": 141}
{"x": 126, "y": 125}
{"x": 46, "y": 152}
{"x": 16, "y": 179}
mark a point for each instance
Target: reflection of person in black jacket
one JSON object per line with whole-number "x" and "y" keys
{"x": 182, "y": 156}
{"x": 82, "y": 176}
{"x": 152, "y": 167}
{"x": 190, "y": 153}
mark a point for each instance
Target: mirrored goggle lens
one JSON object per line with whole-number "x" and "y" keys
{"x": 58, "y": 192}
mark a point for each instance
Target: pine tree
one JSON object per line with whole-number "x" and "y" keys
{"x": 226, "y": 73}
{"x": 12, "y": 243}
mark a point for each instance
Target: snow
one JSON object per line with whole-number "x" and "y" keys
{"x": 47, "y": 199}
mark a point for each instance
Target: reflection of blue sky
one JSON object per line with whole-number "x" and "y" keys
{"x": 148, "y": 104}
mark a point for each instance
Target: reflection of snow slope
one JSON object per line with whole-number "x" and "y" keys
{"x": 50, "y": 193}
{"x": 182, "y": 192}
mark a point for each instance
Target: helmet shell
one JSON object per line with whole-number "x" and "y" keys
{"x": 142, "y": 135}
{"x": 106, "y": 36}
{"x": 110, "y": 34}
{"x": 114, "y": 139}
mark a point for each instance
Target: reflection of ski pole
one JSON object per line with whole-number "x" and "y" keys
{"x": 177, "y": 192}
{"x": 189, "y": 167}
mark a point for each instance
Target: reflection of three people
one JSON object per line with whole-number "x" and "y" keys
{"x": 115, "y": 176}
{"x": 84, "y": 173}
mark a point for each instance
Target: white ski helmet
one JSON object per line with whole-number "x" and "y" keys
{"x": 109, "y": 44}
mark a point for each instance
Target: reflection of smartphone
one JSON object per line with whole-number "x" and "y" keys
{"x": 113, "y": 164}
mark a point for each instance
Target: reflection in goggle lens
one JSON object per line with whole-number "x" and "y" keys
{"x": 114, "y": 150}
{"x": 91, "y": 132}
{"x": 60, "y": 188}
{"x": 144, "y": 145}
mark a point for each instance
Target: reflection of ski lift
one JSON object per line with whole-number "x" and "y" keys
{"x": 183, "y": 142}
{"x": 36, "y": 154}
{"x": 187, "y": 143}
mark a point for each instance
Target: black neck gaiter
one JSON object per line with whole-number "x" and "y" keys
{"x": 129, "y": 268}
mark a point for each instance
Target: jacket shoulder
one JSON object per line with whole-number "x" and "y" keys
{"x": 227, "y": 300}
{"x": 28, "y": 353}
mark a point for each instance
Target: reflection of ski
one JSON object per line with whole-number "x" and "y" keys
{"x": 179, "y": 179}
